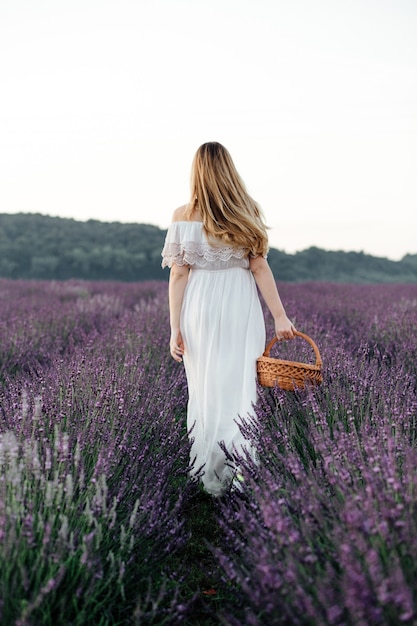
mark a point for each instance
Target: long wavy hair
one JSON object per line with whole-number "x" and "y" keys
{"x": 228, "y": 212}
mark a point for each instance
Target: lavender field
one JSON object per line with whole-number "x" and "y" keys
{"x": 99, "y": 523}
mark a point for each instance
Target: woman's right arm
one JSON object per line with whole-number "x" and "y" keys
{"x": 178, "y": 278}
{"x": 284, "y": 328}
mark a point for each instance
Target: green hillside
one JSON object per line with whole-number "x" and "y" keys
{"x": 42, "y": 247}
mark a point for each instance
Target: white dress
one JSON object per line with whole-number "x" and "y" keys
{"x": 223, "y": 329}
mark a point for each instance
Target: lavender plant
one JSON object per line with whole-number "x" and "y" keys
{"x": 93, "y": 464}
{"x": 326, "y": 533}
{"x": 99, "y": 523}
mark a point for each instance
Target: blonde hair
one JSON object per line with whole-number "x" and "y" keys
{"x": 227, "y": 210}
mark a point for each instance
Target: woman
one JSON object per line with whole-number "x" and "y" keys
{"x": 216, "y": 248}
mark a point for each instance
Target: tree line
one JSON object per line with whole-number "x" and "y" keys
{"x": 34, "y": 246}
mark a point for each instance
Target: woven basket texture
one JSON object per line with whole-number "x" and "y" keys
{"x": 289, "y": 375}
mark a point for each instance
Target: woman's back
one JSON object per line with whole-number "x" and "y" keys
{"x": 187, "y": 244}
{"x": 223, "y": 332}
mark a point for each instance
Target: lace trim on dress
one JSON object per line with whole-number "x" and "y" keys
{"x": 198, "y": 254}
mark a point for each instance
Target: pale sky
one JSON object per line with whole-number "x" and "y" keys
{"x": 103, "y": 104}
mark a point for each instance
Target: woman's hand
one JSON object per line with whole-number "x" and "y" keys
{"x": 284, "y": 328}
{"x": 176, "y": 345}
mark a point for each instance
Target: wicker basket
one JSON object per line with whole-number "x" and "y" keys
{"x": 289, "y": 375}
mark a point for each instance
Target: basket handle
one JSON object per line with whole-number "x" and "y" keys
{"x": 297, "y": 333}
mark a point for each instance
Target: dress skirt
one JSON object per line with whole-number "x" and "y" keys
{"x": 223, "y": 328}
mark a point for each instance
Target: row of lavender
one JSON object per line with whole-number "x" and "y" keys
{"x": 93, "y": 460}
{"x": 330, "y": 533}
{"x": 93, "y": 455}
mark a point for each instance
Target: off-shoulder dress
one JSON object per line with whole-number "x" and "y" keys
{"x": 223, "y": 328}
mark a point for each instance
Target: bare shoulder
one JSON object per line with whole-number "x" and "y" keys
{"x": 258, "y": 263}
{"x": 179, "y": 214}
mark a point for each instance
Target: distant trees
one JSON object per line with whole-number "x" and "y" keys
{"x": 315, "y": 264}
{"x": 38, "y": 246}
{"x": 41, "y": 247}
